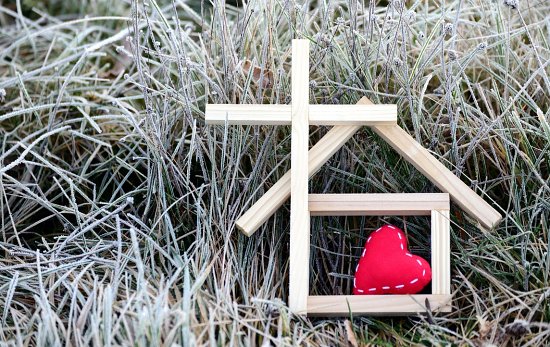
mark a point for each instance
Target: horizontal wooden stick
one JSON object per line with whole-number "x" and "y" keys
{"x": 353, "y": 114}
{"x": 376, "y": 305}
{"x": 264, "y": 208}
{"x": 439, "y": 175}
{"x": 247, "y": 114}
{"x": 415, "y": 204}
{"x": 360, "y": 114}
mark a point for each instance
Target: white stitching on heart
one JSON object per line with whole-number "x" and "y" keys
{"x": 399, "y": 286}
{"x": 402, "y": 247}
{"x": 364, "y": 250}
{"x": 357, "y": 267}
{"x": 423, "y": 272}
{"x": 368, "y": 240}
{"x": 409, "y": 255}
{"x": 354, "y": 286}
{"x": 419, "y": 262}
{"x": 399, "y": 234}
{"x": 391, "y": 226}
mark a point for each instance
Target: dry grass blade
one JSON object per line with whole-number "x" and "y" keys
{"x": 118, "y": 204}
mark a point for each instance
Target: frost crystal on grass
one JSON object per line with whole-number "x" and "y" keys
{"x": 452, "y": 54}
{"x": 132, "y": 199}
{"x": 512, "y": 3}
{"x": 448, "y": 29}
{"x": 482, "y": 46}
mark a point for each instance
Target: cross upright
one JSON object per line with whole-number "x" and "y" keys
{"x": 300, "y": 114}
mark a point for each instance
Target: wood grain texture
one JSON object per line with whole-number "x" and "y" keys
{"x": 299, "y": 214}
{"x": 358, "y": 114}
{"x": 376, "y": 305}
{"x": 353, "y": 114}
{"x": 436, "y": 172}
{"x": 247, "y": 114}
{"x": 404, "y": 204}
{"x": 441, "y": 252}
{"x": 275, "y": 197}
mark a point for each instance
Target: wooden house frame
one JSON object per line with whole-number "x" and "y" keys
{"x": 346, "y": 121}
{"x": 435, "y": 205}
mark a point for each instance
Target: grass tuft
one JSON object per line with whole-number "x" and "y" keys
{"x": 118, "y": 204}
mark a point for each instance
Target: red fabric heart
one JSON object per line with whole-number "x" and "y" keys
{"x": 387, "y": 267}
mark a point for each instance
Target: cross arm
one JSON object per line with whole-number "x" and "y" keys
{"x": 318, "y": 114}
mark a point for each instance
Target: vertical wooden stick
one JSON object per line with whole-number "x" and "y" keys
{"x": 299, "y": 213}
{"x": 441, "y": 252}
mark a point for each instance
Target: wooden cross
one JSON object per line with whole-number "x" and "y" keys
{"x": 300, "y": 114}
{"x": 347, "y": 119}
